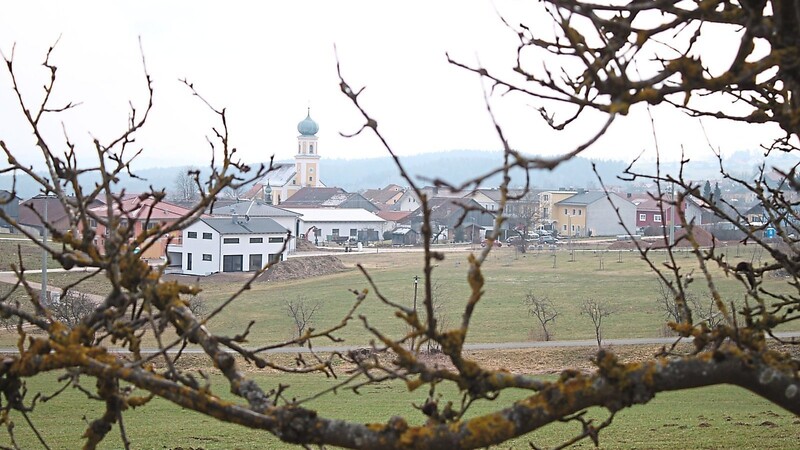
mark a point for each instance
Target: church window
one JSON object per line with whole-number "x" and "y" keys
{"x": 311, "y": 148}
{"x": 311, "y": 169}
{"x": 310, "y": 178}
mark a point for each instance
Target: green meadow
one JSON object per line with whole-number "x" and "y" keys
{"x": 720, "y": 417}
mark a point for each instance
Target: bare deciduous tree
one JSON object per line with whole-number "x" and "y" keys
{"x": 596, "y": 310}
{"x": 185, "y": 187}
{"x": 301, "y": 311}
{"x": 542, "y": 308}
{"x": 71, "y": 307}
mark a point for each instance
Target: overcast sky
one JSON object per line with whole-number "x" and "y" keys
{"x": 266, "y": 62}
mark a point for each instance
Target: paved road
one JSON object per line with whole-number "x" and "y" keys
{"x": 483, "y": 346}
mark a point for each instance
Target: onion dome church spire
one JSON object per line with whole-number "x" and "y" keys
{"x": 307, "y": 126}
{"x": 307, "y": 157}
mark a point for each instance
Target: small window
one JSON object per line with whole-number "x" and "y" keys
{"x": 276, "y": 240}
{"x": 311, "y": 169}
{"x": 642, "y": 217}
{"x": 206, "y": 257}
{"x": 123, "y": 223}
{"x": 92, "y": 223}
{"x": 335, "y": 231}
{"x": 564, "y": 228}
{"x": 230, "y": 240}
{"x": 565, "y": 211}
{"x": 580, "y": 212}
{"x": 192, "y": 235}
{"x": 573, "y": 211}
{"x": 353, "y": 232}
{"x": 207, "y": 236}
{"x": 657, "y": 218}
{"x": 310, "y": 178}
{"x": 256, "y": 240}
{"x": 150, "y": 225}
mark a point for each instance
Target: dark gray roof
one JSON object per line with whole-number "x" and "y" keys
{"x": 587, "y": 198}
{"x": 256, "y": 225}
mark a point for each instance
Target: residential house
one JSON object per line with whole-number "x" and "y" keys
{"x": 450, "y": 217}
{"x": 592, "y": 214}
{"x": 9, "y": 203}
{"x": 230, "y": 244}
{"x": 386, "y": 197}
{"x": 284, "y": 179}
{"x": 141, "y": 214}
{"x": 408, "y": 202}
{"x": 51, "y": 208}
{"x": 547, "y": 202}
{"x": 328, "y": 225}
{"x": 257, "y": 208}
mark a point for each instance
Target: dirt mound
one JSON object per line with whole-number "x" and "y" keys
{"x": 306, "y": 267}
{"x": 303, "y": 245}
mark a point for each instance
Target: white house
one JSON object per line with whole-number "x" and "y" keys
{"x": 231, "y": 244}
{"x": 258, "y": 209}
{"x": 333, "y": 224}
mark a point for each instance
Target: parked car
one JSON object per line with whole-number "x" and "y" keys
{"x": 548, "y": 240}
{"x": 485, "y": 242}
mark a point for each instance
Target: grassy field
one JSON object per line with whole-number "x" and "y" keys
{"x": 624, "y": 282}
{"x": 712, "y": 418}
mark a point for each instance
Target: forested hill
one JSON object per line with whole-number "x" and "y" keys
{"x": 455, "y": 166}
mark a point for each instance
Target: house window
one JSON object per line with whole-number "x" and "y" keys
{"x": 207, "y": 236}
{"x": 657, "y": 218}
{"x": 564, "y": 228}
{"x": 580, "y": 212}
{"x": 256, "y": 240}
{"x": 92, "y": 223}
{"x": 206, "y": 257}
{"x": 123, "y": 223}
{"x": 573, "y": 211}
{"x": 275, "y": 257}
{"x": 335, "y": 231}
{"x": 642, "y": 217}
{"x": 150, "y": 226}
{"x": 230, "y": 240}
{"x": 353, "y": 232}
{"x": 546, "y": 197}
{"x": 232, "y": 263}
{"x": 192, "y": 235}
{"x": 255, "y": 262}
{"x": 565, "y": 211}
{"x": 276, "y": 240}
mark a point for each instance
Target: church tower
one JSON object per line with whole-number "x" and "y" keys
{"x": 307, "y": 157}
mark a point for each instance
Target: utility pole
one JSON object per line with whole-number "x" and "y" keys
{"x": 672, "y": 216}
{"x": 43, "y": 290}
{"x": 416, "y": 283}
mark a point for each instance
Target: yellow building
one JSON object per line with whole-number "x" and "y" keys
{"x": 547, "y": 202}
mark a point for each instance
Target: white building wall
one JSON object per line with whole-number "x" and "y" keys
{"x": 217, "y": 249}
{"x": 245, "y": 248}
{"x": 197, "y": 247}
{"x": 343, "y": 227}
